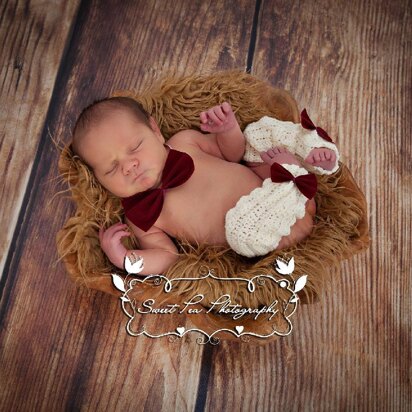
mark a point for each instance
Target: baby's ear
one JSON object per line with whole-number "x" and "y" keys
{"x": 154, "y": 125}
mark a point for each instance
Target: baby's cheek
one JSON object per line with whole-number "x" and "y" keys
{"x": 102, "y": 183}
{"x": 106, "y": 185}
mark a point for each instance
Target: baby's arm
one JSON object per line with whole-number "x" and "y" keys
{"x": 157, "y": 249}
{"x": 221, "y": 121}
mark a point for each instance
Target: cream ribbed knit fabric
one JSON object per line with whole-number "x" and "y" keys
{"x": 269, "y": 132}
{"x": 260, "y": 219}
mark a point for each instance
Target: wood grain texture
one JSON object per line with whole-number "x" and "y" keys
{"x": 350, "y": 64}
{"x": 157, "y": 37}
{"x": 62, "y": 345}
{"x": 33, "y": 35}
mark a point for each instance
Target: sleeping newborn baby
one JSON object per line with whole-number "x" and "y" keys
{"x": 194, "y": 188}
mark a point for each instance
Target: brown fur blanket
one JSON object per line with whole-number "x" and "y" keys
{"x": 175, "y": 102}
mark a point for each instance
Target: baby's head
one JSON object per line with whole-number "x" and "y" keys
{"x": 121, "y": 144}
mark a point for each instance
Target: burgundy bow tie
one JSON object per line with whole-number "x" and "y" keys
{"x": 307, "y": 184}
{"x": 144, "y": 208}
{"x": 308, "y": 124}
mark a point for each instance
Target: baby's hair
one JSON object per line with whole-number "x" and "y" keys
{"x": 97, "y": 111}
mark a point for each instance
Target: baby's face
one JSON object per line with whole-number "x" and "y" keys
{"x": 127, "y": 157}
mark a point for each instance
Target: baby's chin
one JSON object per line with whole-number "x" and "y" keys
{"x": 149, "y": 181}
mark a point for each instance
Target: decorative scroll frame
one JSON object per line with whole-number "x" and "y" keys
{"x": 281, "y": 267}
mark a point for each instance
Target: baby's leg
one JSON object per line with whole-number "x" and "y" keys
{"x": 302, "y": 227}
{"x": 320, "y": 156}
{"x": 276, "y": 215}
{"x": 261, "y": 169}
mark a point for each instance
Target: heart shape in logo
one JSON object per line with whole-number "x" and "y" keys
{"x": 180, "y": 330}
{"x": 239, "y": 329}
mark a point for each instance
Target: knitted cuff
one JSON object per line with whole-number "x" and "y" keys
{"x": 266, "y": 133}
{"x": 269, "y": 132}
{"x": 260, "y": 219}
{"x": 309, "y": 140}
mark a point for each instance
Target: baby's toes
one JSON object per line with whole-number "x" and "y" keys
{"x": 309, "y": 159}
{"x": 323, "y": 157}
{"x": 269, "y": 153}
{"x": 274, "y": 151}
{"x": 279, "y": 150}
{"x": 265, "y": 157}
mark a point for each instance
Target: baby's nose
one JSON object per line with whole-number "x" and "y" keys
{"x": 130, "y": 166}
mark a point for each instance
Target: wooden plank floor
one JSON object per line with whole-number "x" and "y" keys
{"x": 33, "y": 36}
{"x": 349, "y": 63}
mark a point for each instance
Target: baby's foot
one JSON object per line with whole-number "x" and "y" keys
{"x": 322, "y": 157}
{"x": 279, "y": 155}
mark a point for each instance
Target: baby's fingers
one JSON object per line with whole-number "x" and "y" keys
{"x": 112, "y": 230}
{"x": 118, "y": 235}
{"x": 226, "y": 107}
{"x": 214, "y": 118}
{"x": 203, "y": 117}
{"x": 205, "y": 127}
{"x": 219, "y": 113}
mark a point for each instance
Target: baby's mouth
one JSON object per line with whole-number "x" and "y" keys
{"x": 137, "y": 176}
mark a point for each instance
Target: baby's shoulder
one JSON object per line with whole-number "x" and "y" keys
{"x": 187, "y": 135}
{"x": 190, "y": 139}
{"x": 184, "y": 139}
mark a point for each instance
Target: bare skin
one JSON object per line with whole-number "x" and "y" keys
{"x": 196, "y": 210}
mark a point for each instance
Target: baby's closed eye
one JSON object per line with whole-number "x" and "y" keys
{"x": 136, "y": 147}
{"x": 110, "y": 171}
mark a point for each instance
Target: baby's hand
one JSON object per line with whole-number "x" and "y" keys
{"x": 111, "y": 245}
{"x": 218, "y": 119}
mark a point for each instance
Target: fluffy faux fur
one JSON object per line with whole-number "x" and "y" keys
{"x": 175, "y": 102}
